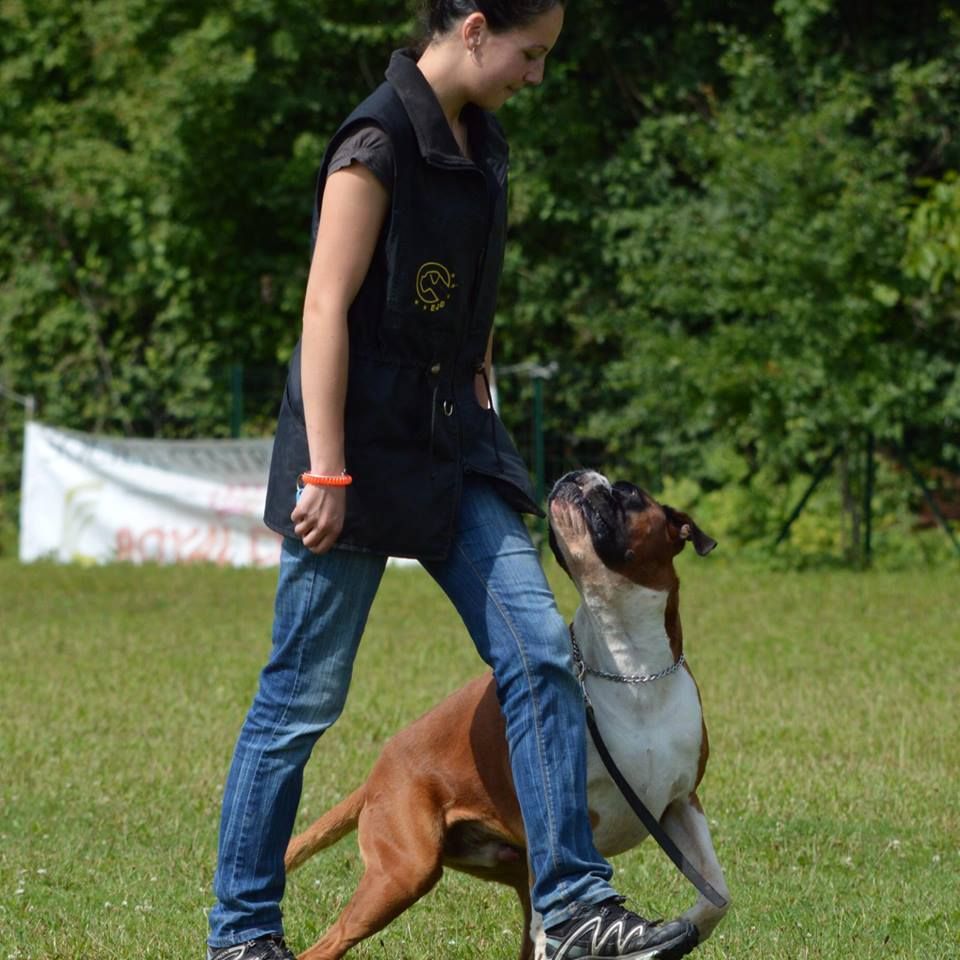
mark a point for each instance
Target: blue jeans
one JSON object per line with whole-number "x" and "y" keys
{"x": 494, "y": 578}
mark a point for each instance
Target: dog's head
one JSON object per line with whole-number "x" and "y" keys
{"x": 597, "y": 526}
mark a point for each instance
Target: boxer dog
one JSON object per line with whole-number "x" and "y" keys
{"x": 441, "y": 792}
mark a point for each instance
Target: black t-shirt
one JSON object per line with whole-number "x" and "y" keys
{"x": 370, "y": 146}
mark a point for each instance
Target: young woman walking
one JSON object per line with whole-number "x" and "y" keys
{"x": 388, "y": 444}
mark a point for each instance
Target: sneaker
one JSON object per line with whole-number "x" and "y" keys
{"x": 263, "y": 948}
{"x": 598, "y": 931}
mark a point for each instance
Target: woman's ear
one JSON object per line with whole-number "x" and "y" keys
{"x": 472, "y": 30}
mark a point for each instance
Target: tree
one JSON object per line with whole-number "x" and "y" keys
{"x": 733, "y": 225}
{"x": 749, "y": 268}
{"x": 157, "y": 162}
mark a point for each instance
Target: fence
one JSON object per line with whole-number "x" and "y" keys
{"x": 533, "y": 414}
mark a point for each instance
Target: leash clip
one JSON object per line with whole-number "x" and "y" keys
{"x": 581, "y": 670}
{"x": 579, "y": 667}
{"x": 587, "y": 702}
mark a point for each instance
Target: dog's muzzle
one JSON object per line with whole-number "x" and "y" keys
{"x": 602, "y": 508}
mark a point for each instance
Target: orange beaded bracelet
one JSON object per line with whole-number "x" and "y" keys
{"x": 325, "y": 480}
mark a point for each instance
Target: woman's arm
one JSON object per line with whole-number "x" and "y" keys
{"x": 353, "y": 210}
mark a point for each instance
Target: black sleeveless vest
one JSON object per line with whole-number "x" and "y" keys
{"x": 418, "y": 332}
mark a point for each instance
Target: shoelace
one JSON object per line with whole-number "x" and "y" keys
{"x": 278, "y": 949}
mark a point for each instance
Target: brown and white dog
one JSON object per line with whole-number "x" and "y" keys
{"x": 441, "y": 792}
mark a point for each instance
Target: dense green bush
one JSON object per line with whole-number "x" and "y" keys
{"x": 734, "y": 226}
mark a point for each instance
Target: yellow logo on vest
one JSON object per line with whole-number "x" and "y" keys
{"x": 434, "y": 285}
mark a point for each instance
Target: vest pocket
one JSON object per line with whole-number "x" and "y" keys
{"x": 387, "y": 404}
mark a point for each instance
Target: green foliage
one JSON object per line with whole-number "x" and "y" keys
{"x": 748, "y": 514}
{"x": 933, "y": 248}
{"x": 157, "y": 162}
{"x": 156, "y": 168}
{"x": 759, "y": 265}
{"x": 734, "y": 226}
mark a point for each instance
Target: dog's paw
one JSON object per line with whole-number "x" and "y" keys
{"x": 572, "y": 532}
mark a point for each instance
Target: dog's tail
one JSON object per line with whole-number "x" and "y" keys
{"x": 327, "y": 830}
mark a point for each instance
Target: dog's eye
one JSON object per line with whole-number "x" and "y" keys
{"x": 632, "y": 498}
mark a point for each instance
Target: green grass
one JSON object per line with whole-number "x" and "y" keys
{"x": 832, "y": 789}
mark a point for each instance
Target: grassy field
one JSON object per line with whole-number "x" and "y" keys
{"x": 832, "y": 701}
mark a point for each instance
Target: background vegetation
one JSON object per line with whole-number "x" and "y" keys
{"x": 735, "y": 228}
{"x": 831, "y": 789}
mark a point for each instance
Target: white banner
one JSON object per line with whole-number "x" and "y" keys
{"x": 98, "y": 499}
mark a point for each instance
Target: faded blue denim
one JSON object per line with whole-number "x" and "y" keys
{"x": 494, "y": 578}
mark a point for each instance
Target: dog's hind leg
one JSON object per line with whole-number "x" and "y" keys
{"x": 401, "y": 845}
{"x": 686, "y": 824}
{"x": 526, "y": 946}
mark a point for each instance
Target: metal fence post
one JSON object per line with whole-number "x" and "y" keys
{"x": 869, "y": 479}
{"x": 539, "y": 464}
{"x": 27, "y": 401}
{"x": 236, "y": 399}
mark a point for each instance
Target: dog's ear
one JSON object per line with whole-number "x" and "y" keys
{"x": 688, "y": 530}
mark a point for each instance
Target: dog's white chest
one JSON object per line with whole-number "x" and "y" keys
{"x": 654, "y": 734}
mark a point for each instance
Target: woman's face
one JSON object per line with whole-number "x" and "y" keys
{"x": 509, "y": 61}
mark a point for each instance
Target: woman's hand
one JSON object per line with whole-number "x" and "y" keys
{"x": 318, "y": 517}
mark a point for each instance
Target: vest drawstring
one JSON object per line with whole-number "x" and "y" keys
{"x": 482, "y": 370}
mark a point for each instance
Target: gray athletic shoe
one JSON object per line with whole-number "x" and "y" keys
{"x": 263, "y": 948}
{"x": 604, "y": 931}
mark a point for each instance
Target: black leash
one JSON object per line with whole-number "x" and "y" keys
{"x": 638, "y": 806}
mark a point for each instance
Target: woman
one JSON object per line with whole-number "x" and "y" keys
{"x": 390, "y": 381}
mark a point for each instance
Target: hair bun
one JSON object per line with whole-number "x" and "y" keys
{"x": 502, "y": 15}
{"x": 443, "y": 14}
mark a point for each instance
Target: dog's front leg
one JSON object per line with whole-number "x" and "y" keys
{"x": 686, "y": 824}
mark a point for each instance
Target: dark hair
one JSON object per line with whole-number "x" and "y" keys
{"x": 502, "y": 15}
